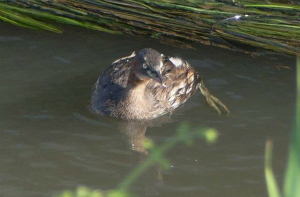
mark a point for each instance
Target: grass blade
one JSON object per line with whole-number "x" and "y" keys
{"x": 273, "y": 26}
{"x": 272, "y": 186}
{"x": 22, "y": 20}
{"x": 292, "y": 178}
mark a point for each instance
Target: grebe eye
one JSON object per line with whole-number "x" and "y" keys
{"x": 145, "y": 66}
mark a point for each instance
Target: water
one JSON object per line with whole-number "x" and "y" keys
{"x": 51, "y": 141}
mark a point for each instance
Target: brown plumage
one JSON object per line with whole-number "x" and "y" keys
{"x": 147, "y": 85}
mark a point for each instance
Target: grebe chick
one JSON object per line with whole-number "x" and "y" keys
{"x": 147, "y": 85}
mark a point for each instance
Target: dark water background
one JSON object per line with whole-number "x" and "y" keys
{"x": 51, "y": 141}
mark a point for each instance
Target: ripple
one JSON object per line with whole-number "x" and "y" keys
{"x": 91, "y": 121}
{"x": 92, "y": 137}
{"x": 234, "y": 96}
{"x": 248, "y": 78}
{"x": 10, "y": 38}
{"x": 39, "y": 116}
{"x": 118, "y": 163}
{"x": 55, "y": 146}
{"x": 42, "y": 165}
{"x": 217, "y": 81}
{"x": 62, "y": 60}
{"x": 12, "y": 132}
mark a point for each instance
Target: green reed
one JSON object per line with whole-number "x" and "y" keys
{"x": 292, "y": 176}
{"x": 228, "y": 24}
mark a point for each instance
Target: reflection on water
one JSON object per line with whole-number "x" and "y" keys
{"x": 51, "y": 141}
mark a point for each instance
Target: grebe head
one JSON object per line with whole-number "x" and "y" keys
{"x": 150, "y": 64}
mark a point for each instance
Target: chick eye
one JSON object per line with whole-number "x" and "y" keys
{"x": 145, "y": 66}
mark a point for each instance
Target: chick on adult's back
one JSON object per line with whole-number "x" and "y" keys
{"x": 147, "y": 85}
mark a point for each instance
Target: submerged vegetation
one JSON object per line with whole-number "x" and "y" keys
{"x": 229, "y": 24}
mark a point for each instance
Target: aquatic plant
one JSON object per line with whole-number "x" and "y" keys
{"x": 292, "y": 177}
{"x": 156, "y": 156}
{"x": 225, "y": 23}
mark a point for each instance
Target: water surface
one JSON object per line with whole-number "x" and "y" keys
{"x": 51, "y": 141}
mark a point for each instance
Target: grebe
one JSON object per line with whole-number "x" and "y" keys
{"x": 147, "y": 85}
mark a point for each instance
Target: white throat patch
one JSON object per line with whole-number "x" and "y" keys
{"x": 176, "y": 61}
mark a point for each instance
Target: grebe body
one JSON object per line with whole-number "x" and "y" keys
{"x": 146, "y": 85}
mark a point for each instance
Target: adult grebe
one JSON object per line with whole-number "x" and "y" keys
{"x": 147, "y": 85}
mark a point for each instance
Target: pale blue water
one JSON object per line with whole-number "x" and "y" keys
{"x": 51, "y": 141}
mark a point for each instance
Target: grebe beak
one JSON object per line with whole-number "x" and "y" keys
{"x": 159, "y": 80}
{"x": 156, "y": 77}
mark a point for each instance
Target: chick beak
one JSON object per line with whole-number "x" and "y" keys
{"x": 158, "y": 78}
